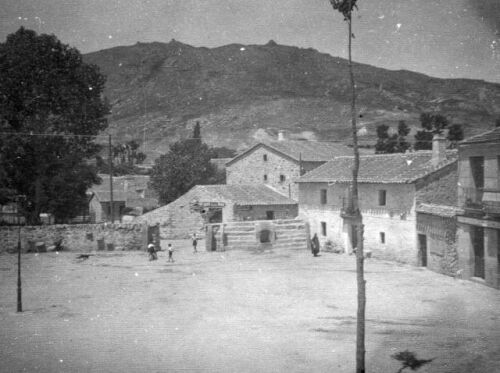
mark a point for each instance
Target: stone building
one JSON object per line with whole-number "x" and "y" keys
{"x": 131, "y": 195}
{"x": 479, "y": 197}
{"x": 437, "y": 238}
{"x": 391, "y": 186}
{"x": 278, "y": 163}
{"x": 219, "y": 203}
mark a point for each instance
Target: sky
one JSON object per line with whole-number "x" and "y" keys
{"x": 443, "y": 38}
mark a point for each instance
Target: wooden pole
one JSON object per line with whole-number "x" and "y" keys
{"x": 111, "y": 207}
{"x": 19, "y": 289}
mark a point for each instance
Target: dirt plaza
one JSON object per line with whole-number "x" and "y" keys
{"x": 238, "y": 311}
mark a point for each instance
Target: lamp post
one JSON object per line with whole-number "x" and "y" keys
{"x": 19, "y": 200}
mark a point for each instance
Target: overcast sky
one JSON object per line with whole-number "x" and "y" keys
{"x": 444, "y": 38}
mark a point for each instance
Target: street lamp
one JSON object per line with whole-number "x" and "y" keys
{"x": 19, "y": 200}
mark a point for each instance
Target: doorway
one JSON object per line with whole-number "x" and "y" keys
{"x": 422, "y": 250}
{"x": 478, "y": 247}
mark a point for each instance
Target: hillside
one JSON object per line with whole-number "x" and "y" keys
{"x": 242, "y": 93}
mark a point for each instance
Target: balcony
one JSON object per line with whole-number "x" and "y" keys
{"x": 481, "y": 200}
{"x": 347, "y": 211}
{"x": 491, "y": 201}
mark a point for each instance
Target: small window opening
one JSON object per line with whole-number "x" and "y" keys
{"x": 264, "y": 157}
{"x": 382, "y": 237}
{"x": 265, "y": 177}
{"x": 323, "y": 196}
{"x": 282, "y": 178}
{"x": 323, "y": 228}
{"x": 382, "y": 197}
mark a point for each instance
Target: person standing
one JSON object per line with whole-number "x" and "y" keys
{"x": 170, "y": 253}
{"x": 195, "y": 242}
{"x": 315, "y": 245}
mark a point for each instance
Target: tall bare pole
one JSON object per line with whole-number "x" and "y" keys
{"x": 19, "y": 288}
{"x": 356, "y": 220}
{"x": 111, "y": 207}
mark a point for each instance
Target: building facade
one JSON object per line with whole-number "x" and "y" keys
{"x": 391, "y": 186}
{"x": 278, "y": 164}
{"x": 479, "y": 197}
{"x": 205, "y": 204}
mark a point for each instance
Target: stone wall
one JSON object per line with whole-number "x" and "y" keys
{"x": 251, "y": 169}
{"x": 81, "y": 237}
{"x": 441, "y": 233}
{"x": 278, "y": 234}
{"x": 176, "y": 219}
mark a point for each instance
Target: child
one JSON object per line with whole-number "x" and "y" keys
{"x": 170, "y": 252}
{"x": 152, "y": 252}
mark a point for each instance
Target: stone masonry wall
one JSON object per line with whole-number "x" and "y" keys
{"x": 441, "y": 233}
{"x": 252, "y": 168}
{"x": 289, "y": 234}
{"x": 81, "y": 237}
{"x": 439, "y": 188}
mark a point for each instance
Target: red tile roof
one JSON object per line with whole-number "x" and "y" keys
{"x": 379, "y": 168}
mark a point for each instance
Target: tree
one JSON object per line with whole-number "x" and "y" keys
{"x": 185, "y": 165}
{"x": 455, "y": 134}
{"x": 395, "y": 143}
{"x": 346, "y": 7}
{"x": 51, "y": 107}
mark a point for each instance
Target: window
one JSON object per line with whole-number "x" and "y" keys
{"x": 382, "y": 237}
{"x": 282, "y": 178}
{"x": 323, "y": 228}
{"x": 477, "y": 170}
{"x": 265, "y": 178}
{"x": 382, "y": 195}
{"x": 264, "y": 157}
{"x": 323, "y": 198}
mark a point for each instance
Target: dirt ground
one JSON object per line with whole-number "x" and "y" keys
{"x": 238, "y": 311}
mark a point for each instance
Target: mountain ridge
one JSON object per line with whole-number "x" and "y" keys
{"x": 245, "y": 93}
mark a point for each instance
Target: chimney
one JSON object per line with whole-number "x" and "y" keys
{"x": 438, "y": 149}
{"x": 281, "y": 135}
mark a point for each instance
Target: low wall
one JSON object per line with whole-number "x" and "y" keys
{"x": 279, "y": 234}
{"x": 81, "y": 237}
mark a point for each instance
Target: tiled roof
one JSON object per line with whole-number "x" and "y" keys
{"x": 307, "y": 151}
{"x": 439, "y": 210}
{"x": 105, "y": 196}
{"x": 134, "y": 182}
{"x": 490, "y": 136}
{"x": 379, "y": 168}
{"x": 241, "y": 194}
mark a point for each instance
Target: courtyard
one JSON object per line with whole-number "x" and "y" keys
{"x": 238, "y": 311}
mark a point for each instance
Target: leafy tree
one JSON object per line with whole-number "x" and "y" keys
{"x": 48, "y": 91}
{"x": 185, "y": 165}
{"x": 395, "y": 143}
{"x": 223, "y": 152}
{"x": 455, "y": 134}
{"x": 346, "y": 7}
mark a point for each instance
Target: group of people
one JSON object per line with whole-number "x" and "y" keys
{"x": 153, "y": 252}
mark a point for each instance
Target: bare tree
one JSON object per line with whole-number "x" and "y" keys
{"x": 346, "y": 7}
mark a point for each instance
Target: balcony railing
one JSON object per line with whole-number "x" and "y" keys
{"x": 486, "y": 200}
{"x": 472, "y": 198}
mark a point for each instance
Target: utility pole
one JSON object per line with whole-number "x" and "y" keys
{"x": 19, "y": 198}
{"x": 111, "y": 212}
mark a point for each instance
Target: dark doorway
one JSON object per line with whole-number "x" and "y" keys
{"x": 422, "y": 250}
{"x": 478, "y": 247}
{"x": 354, "y": 236}
{"x": 265, "y": 236}
{"x": 270, "y": 215}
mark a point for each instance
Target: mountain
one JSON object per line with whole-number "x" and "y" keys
{"x": 243, "y": 93}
